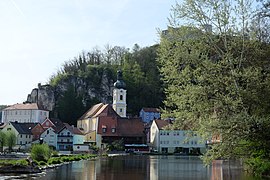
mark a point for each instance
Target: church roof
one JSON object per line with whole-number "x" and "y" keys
{"x": 119, "y": 84}
{"x": 92, "y": 111}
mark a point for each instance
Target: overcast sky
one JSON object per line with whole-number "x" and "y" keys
{"x": 37, "y": 36}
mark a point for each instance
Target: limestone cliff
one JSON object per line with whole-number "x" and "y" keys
{"x": 61, "y": 97}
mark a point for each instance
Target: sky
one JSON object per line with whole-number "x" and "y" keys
{"x": 38, "y": 36}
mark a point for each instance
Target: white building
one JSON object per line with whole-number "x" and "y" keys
{"x": 174, "y": 141}
{"x": 119, "y": 96}
{"x": 26, "y": 112}
{"x": 49, "y": 136}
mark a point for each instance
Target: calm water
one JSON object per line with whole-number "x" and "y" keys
{"x": 143, "y": 168}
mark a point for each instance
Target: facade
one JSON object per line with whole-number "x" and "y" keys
{"x": 119, "y": 96}
{"x": 24, "y": 113}
{"x": 149, "y": 114}
{"x": 67, "y": 137}
{"x": 49, "y": 137}
{"x": 174, "y": 141}
{"x": 22, "y": 131}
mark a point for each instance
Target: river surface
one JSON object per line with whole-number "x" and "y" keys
{"x": 142, "y": 168}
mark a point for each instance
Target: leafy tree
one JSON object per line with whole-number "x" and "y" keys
{"x": 215, "y": 76}
{"x": 3, "y": 140}
{"x": 10, "y": 140}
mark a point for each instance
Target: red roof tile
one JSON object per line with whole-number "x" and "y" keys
{"x": 161, "y": 123}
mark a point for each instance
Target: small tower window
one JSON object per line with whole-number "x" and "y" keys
{"x": 121, "y": 97}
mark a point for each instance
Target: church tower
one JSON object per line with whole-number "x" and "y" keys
{"x": 119, "y": 95}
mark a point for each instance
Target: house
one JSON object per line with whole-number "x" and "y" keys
{"x": 104, "y": 123}
{"x": 174, "y": 141}
{"x": 36, "y": 131}
{"x": 149, "y": 114}
{"x": 22, "y": 131}
{"x": 26, "y": 112}
{"x": 68, "y": 136}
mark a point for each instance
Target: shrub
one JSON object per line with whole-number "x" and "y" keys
{"x": 55, "y": 160}
{"x": 40, "y": 152}
{"x": 42, "y": 163}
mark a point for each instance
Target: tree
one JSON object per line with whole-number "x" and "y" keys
{"x": 3, "y": 140}
{"x": 214, "y": 75}
{"x": 11, "y": 140}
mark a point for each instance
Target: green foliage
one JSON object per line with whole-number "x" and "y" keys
{"x": 3, "y": 140}
{"x": 10, "y": 140}
{"x": 40, "y": 152}
{"x": 217, "y": 82}
{"x": 88, "y": 79}
{"x": 55, "y": 160}
{"x": 22, "y": 162}
{"x": 117, "y": 145}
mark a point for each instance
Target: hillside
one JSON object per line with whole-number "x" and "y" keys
{"x": 88, "y": 79}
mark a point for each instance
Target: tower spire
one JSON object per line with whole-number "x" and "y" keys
{"x": 119, "y": 95}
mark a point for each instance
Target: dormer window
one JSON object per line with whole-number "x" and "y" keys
{"x": 121, "y": 97}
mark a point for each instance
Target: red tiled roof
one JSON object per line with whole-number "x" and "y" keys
{"x": 124, "y": 127}
{"x": 72, "y": 129}
{"x": 161, "y": 123}
{"x": 108, "y": 123}
{"x": 151, "y": 110}
{"x": 130, "y": 127}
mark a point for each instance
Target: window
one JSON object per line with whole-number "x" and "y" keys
{"x": 168, "y": 133}
{"x": 8, "y": 129}
{"x": 68, "y": 133}
{"x": 121, "y": 97}
{"x": 113, "y": 130}
{"x": 48, "y": 131}
{"x": 104, "y": 128}
{"x": 21, "y": 135}
{"x": 120, "y": 110}
{"x": 26, "y": 136}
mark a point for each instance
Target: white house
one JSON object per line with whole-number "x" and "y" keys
{"x": 26, "y": 112}
{"x": 68, "y": 136}
{"x": 49, "y": 137}
{"x": 174, "y": 141}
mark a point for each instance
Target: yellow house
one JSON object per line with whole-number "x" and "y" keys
{"x": 87, "y": 123}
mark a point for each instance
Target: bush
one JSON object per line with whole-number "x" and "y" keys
{"x": 42, "y": 163}
{"x": 40, "y": 152}
{"x": 55, "y": 160}
{"x": 258, "y": 166}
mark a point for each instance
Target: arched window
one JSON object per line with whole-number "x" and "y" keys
{"x": 121, "y": 97}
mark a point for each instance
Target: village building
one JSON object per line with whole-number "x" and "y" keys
{"x": 22, "y": 131}
{"x": 67, "y": 137}
{"x": 104, "y": 123}
{"x": 149, "y": 114}
{"x": 24, "y": 113}
{"x": 164, "y": 140}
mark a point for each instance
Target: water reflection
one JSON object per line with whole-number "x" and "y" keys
{"x": 147, "y": 168}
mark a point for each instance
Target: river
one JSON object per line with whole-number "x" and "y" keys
{"x": 142, "y": 168}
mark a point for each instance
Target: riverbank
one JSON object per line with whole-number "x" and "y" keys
{"x": 28, "y": 166}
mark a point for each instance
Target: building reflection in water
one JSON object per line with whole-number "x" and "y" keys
{"x": 147, "y": 167}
